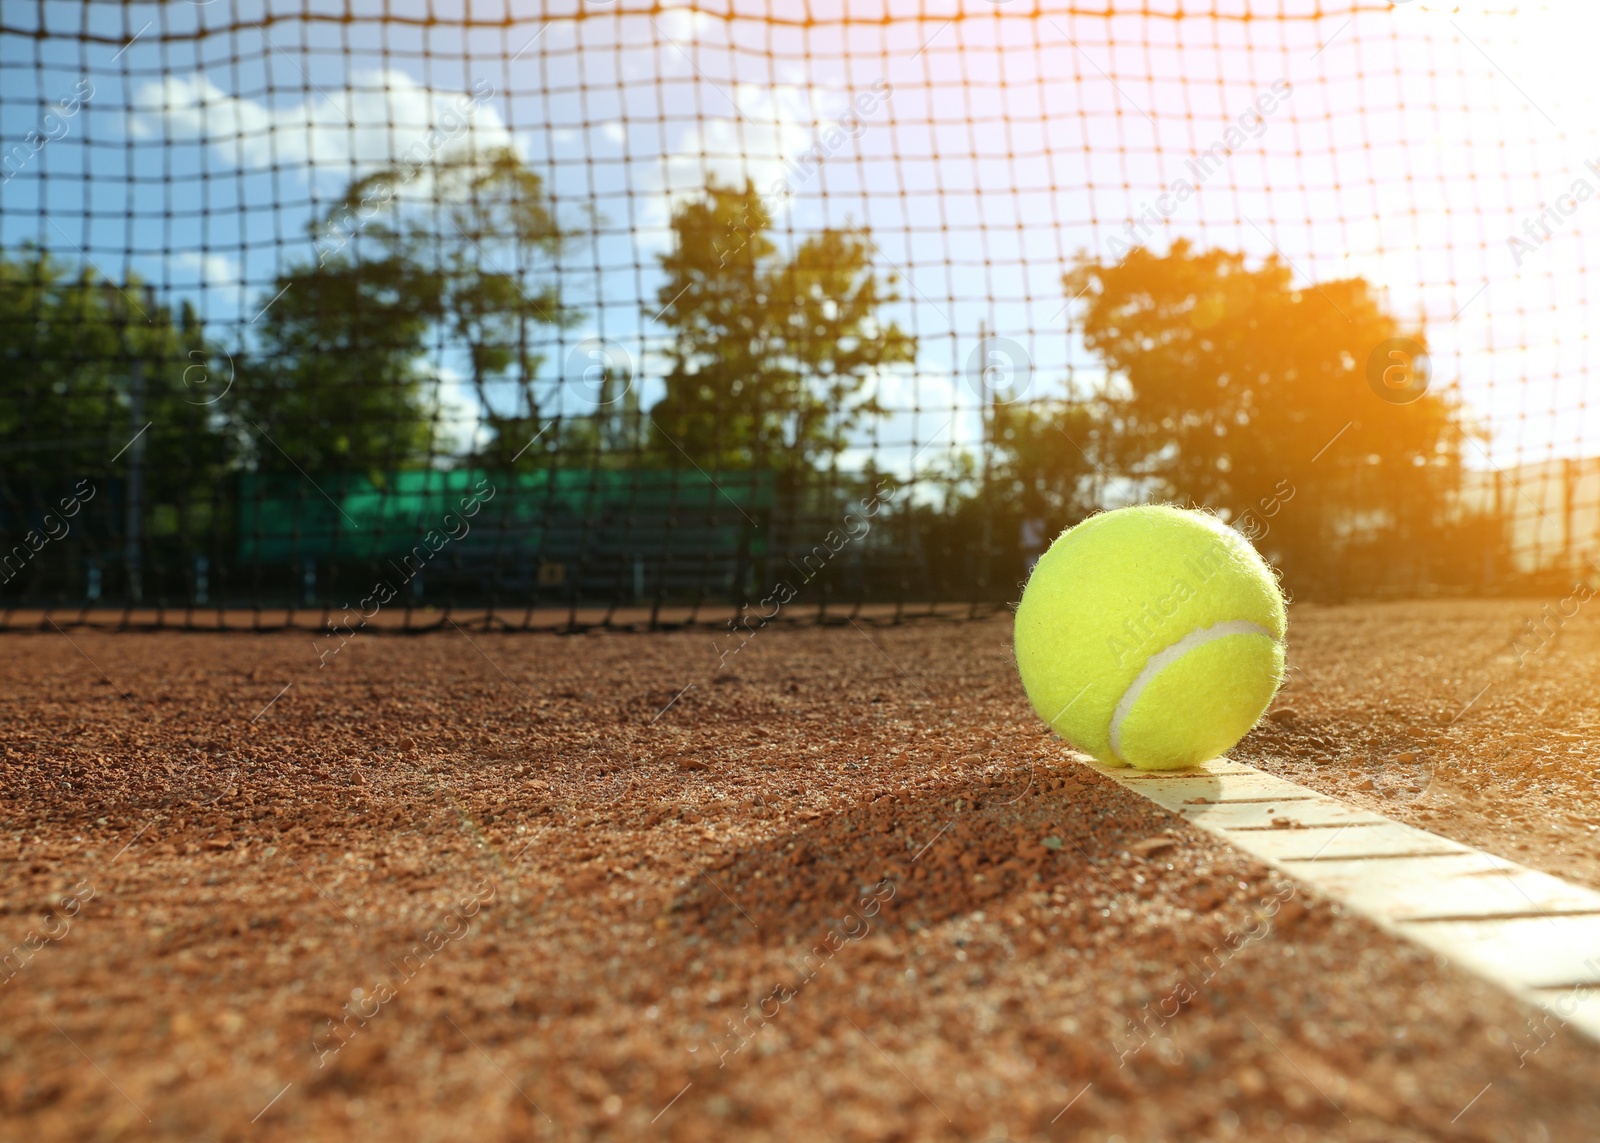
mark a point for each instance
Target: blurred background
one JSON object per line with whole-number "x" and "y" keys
{"x": 635, "y": 313}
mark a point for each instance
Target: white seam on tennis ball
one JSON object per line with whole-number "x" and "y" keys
{"x": 1164, "y": 658}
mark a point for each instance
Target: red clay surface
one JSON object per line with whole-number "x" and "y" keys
{"x": 1477, "y": 720}
{"x": 469, "y": 886}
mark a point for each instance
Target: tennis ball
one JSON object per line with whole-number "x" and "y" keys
{"x": 1151, "y": 636}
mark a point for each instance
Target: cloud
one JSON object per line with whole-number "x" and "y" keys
{"x": 459, "y": 418}
{"x": 381, "y": 114}
{"x": 759, "y": 133}
{"x": 212, "y": 271}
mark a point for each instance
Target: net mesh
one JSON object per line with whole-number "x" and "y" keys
{"x": 621, "y": 313}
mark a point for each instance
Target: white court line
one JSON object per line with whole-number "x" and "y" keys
{"x": 1534, "y": 935}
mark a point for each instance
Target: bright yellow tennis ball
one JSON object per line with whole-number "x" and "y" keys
{"x": 1151, "y": 636}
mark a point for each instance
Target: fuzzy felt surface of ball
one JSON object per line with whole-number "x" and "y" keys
{"x": 1151, "y": 636}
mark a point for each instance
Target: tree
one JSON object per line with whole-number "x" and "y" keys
{"x": 337, "y": 382}
{"x": 1042, "y": 465}
{"x": 78, "y": 350}
{"x": 496, "y": 215}
{"x": 104, "y": 384}
{"x": 772, "y": 358}
{"x": 1233, "y": 389}
{"x": 414, "y": 260}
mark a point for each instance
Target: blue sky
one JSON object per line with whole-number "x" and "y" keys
{"x": 1415, "y": 143}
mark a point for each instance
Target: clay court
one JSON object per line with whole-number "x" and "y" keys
{"x": 950, "y": 929}
{"x": 550, "y": 551}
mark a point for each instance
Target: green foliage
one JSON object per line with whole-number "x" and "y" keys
{"x": 1227, "y": 385}
{"x": 340, "y": 381}
{"x": 77, "y": 353}
{"x": 337, "y": 382}
{"x": 1042, "y": 466}
{"x": 495, "y": 222}
{"x": 773, "y": 356}
{"x": 613, "y": 435}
